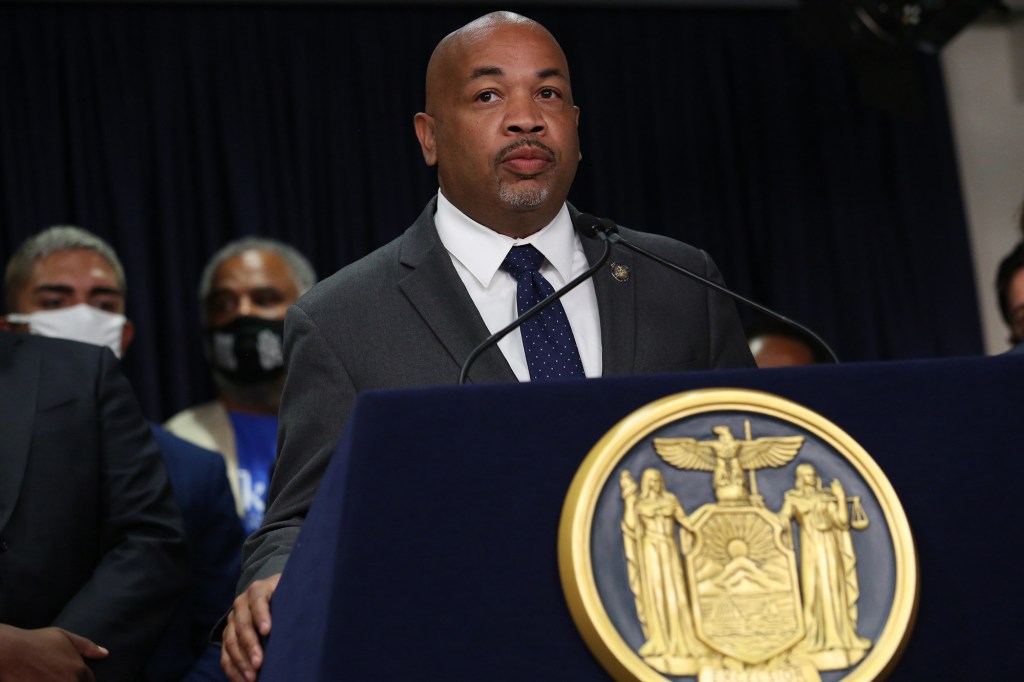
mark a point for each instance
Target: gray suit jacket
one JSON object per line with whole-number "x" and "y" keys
{"x": 401, "y": 317}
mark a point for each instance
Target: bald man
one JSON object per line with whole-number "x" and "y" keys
{"x": 501, "y": 128}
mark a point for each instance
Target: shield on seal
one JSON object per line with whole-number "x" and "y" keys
{"x": 743, "y": 578}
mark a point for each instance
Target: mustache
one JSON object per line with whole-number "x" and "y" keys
{"x": 524, "y": 142}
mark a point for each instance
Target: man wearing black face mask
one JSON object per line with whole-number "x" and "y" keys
{"x": 244, "y": 292}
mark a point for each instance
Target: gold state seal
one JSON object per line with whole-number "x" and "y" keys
{"x": 688, "y": 551}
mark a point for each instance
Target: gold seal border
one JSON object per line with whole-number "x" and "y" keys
{"x": 575, "y": 528}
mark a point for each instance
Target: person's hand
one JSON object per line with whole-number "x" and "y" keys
{"x": 242, "y": 654}
{"x": 45, "y": 655}
{"x": 837, "y": 489}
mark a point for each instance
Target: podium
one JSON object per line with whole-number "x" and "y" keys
{"x": 430, "y": 552}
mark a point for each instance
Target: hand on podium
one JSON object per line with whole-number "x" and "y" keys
{"x": 249, "y": 620}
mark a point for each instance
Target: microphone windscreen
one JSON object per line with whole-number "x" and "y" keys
{"x": 587, "y": 225}
{"x": 608, "y": 226}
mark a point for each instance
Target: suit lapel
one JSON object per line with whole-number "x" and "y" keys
{"x": 435, "y": 290}
{"x": 616, "y": 305}
{"x": 19, "y": 381}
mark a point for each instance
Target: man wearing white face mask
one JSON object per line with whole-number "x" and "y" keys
{"x": 69, "y": 284}
{"x": 66, "y": 282}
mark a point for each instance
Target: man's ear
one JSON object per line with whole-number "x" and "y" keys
{"x": 127, "y": 334}
{"x": 577, "y": 110}
{"x": 424, "y": 124}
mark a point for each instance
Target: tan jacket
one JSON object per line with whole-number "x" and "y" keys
{"x": 209, "y": 426}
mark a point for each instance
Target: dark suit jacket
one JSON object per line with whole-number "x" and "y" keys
{"x": 214, "y": 535}
{"x": 401, "y": 317}
{"x": 91, "y": 538}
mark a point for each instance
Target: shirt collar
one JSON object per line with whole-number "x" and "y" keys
{"x": 481, "y": 250}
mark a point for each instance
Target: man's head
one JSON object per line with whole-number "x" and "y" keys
{"x": 1010, "y": 290}
{"x": 67, "y": 282}
{"x": 500, "y": 123}
{"x": 253, "y": 276}
{"x": 774, "y": 344}
{"x": 779, "y": 350}
{"x": 244, "y": 292}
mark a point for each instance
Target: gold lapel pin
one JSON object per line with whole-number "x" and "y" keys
{"x": 620, "y": 272}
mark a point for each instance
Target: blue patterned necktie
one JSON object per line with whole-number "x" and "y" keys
{"x": 547, "y": 337}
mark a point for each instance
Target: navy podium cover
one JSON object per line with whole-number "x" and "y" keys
{"x": 430, "y": 552}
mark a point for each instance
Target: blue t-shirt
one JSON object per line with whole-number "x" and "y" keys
{"x": 256, "y": 443}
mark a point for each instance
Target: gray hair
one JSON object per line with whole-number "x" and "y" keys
{"x": 301, "y": 270}
{"x": 50, "y": 241}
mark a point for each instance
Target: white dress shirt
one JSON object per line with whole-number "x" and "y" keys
{"x": 477, "y": 253}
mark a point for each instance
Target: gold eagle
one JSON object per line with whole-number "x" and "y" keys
{"x": 727, "y": 452}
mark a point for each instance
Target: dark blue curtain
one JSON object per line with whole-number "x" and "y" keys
{"x": 169, "y": 130}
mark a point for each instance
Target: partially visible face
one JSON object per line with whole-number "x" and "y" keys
{"x": 252, "y": 284}
{"x": 501, "y": 125}
{"x": 1015, "y": 305}
{"x": 772, "y": 350}
{"x": 67, "y": 278}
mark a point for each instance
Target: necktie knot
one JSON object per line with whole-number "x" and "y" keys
{"x": 522, "y": 259}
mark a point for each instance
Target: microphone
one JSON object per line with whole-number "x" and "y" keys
{"x": 611, "y": 233}
{"x": 586, "y": 225}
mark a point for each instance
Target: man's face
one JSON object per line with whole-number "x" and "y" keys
{"x": 501, "y": 126}
{"x": 1015, "y": 306}
{"x": 67, "y": 278}
{"x": 251, "y": 284}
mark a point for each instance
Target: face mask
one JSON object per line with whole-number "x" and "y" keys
{"x": 80, "y": 322}
{"x": 247, "y": 350}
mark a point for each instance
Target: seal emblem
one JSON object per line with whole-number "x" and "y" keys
{"x": 700, "y": 540}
